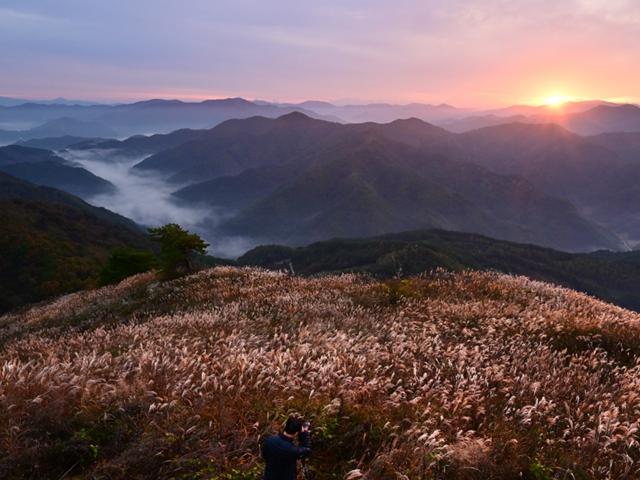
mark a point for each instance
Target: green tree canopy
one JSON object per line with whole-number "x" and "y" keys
{"x": 125, "y": 262}
{"x": 177, "y": 246}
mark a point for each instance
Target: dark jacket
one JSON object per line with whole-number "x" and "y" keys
{"x": 281, "y": 454}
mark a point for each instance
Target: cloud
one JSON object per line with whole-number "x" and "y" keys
{"x": 454, "y": 50}
{"x": 15, "y": 18}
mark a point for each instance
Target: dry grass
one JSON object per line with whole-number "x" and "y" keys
{"x": 464, "y": 376}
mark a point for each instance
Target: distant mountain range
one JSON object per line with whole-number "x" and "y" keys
{"x": 146, "y": 117}
{"x": 601, "y": 118}
{"x": 61, "y": 143}
{"x": 598, "y": 174}
{"x": 12, "y": 102}
{"x": 529, "y": 182}
{"x": 70, "y": 126}
{"x": 292, "y": 174}
{"x": 321, "y": 179}
{"x": 141, "y": 144}
{"x": 575, "y": 106}
{"x": 164, "y": 116}
{"x": 16, "y": 189}
{"x": 552, "y": 158}
{"x": 59, "y": 127}
{"x": 298, "y": 178}
{"x": 382, "y": 112}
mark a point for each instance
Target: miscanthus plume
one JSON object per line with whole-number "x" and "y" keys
{"x": 469, "y": 375}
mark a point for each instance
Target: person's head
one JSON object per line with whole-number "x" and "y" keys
{"x": 293, "y": 425}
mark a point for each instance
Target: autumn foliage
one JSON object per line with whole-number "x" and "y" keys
{"x": 442, "y": 376}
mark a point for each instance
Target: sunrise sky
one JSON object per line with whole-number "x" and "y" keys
{"x": 468, "y": 53}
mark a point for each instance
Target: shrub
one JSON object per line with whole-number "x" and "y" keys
{"x": 125, "y": 262}
{"x": 176, "y": 249}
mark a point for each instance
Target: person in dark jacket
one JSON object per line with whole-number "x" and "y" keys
{"x": 280, "y": 452}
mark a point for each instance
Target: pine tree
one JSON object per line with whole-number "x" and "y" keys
{"x": 177, "y": 247}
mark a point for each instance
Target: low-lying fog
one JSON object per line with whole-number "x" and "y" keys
{"x": 17, "y": 126}
{"x": 146, "y": 198}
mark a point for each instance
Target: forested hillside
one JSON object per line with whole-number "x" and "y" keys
{"x": 53, "y": 243}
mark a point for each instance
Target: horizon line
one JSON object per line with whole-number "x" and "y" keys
{"x": 334, "y": 102}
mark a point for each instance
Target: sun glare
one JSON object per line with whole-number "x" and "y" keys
{"x": 556, "y": 100}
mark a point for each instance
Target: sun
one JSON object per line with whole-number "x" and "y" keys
{"x": 556, "y": 101}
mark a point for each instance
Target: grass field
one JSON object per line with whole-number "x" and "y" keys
{"x": 441, "y": 376}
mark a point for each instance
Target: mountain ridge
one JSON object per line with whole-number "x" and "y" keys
{"x": 613, "y": 277}
{"x": 412, "y": 150}
{"x": 43, "y": 167}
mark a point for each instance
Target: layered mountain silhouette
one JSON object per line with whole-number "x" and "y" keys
{"x": 43, "y": 167}
{"x": 59, "y": 143}
{"x": 324, "y": 179}
{"x": 250, "y": 165}
{"x": 141, "y": 144}
{"x": 551, "y": 157}
{"x": 584, "y": 118}
{"x": 163, "y": 116}
{"x": 625, "y": 144}
{"x": 20, "y": 154}
{"x": 75, "y": 180}
{"x": 236, "y": 145}
{"x": 146, "y": 117}
{"x": 13, "y": 101}
{"x": 481, "y": 121}
{"x": 69, "y": 126}
{"x": 598, "y": 174}
{"x": 59, "y": 127}
{"x": 382, "y": 112}
{"x": 13, "y": 188}
{"x": 569, "y": 107}
{"x": 237, "y": 191}
{"x": 603, "y": 119}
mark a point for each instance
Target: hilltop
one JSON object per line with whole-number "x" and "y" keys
{"x": 452, "y": 376}
{"x": 610, "y": 276}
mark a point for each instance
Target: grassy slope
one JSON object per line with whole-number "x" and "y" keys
{"x": 450, "y": 376}
{"x": 614, "y": 277}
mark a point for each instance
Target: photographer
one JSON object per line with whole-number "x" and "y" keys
{"x": 281, "y": 453}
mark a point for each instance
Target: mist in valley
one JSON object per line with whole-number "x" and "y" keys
{"x": 17, "y": 125}
{"x": 147, "y": 199}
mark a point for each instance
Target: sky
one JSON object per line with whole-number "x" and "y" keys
{"x": 477, "y": 53}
